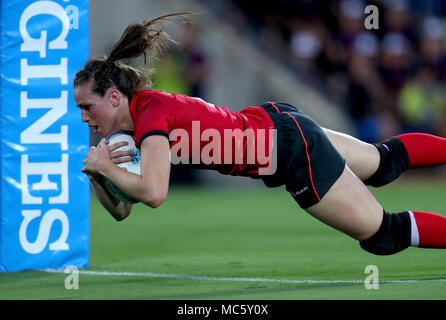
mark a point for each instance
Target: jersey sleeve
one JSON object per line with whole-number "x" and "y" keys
{"x": 151, "y": 118}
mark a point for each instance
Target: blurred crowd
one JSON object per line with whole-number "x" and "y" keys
{"x": 390, "y": 74}
{"x": 392, "y": 77}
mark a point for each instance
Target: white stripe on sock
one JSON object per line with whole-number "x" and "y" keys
{"x": 414, "y": 236}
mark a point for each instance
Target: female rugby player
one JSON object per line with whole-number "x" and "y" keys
{"x": 326, "y": 172}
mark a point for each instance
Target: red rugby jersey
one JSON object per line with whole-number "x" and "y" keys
{"x": 204, "y": 135}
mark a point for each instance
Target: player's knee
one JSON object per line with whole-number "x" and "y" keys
{"x": 394, "y": 160}
{"x": 393, "y": 235}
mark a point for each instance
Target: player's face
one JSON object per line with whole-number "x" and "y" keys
{"x": 96, "y": 111}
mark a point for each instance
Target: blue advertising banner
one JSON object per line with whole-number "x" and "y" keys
{"x": 44, "y": 204}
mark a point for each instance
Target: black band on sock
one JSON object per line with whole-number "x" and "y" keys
{"x": 394, "y": 160}
{"x": 392, "y": 236}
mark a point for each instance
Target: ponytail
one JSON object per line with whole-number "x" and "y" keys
{"x": 137, "y": 39}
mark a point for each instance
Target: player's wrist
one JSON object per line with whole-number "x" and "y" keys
{"x": 107, "y": 168}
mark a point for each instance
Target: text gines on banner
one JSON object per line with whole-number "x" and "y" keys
{"x": 44, "y": 217}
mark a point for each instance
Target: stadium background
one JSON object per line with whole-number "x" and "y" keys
{"x": 319, "y": 56}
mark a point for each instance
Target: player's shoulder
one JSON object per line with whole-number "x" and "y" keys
{"x": 158, "y": 94}
{"x": 144, "y": 99}
{"x": 158, "y": 97}
{"x": 147, "y": 95}
{"x": 168, "y": 99}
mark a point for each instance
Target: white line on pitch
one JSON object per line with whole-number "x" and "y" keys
{"x": 191, "y": 277}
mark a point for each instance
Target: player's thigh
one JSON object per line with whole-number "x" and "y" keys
{"x": 349, "y": 207}
{"x": 362, "y": 158}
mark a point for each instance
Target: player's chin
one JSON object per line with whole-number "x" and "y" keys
{"x": 103, "y": 133}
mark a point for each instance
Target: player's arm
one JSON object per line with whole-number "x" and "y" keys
{"x": 152, "y": 185}
{"x": 118, "y": 209}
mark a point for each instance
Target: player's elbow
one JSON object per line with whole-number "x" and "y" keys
{"x": 155, "y": 200}
{"x": 154, "y": 203}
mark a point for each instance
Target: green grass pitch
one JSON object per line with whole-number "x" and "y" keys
{"x": 223, "y": 234}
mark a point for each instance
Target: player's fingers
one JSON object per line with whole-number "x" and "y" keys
{"x": 117, "y": 154}
{"x": 117, "y": 145}
{"x": 122, "y": 160}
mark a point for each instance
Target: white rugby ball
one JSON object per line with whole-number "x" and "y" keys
{"x": 133, "y": 166}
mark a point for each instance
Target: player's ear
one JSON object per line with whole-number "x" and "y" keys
{"x": 114, "y": 96}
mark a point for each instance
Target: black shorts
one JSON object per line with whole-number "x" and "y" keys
{"x": 307, "y": 163}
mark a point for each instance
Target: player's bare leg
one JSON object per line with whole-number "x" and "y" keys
{"x": 349, "y": 207}
{"x": 361, "y": 157}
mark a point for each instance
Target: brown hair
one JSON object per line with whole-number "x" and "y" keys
{"x": 136, "y": 40}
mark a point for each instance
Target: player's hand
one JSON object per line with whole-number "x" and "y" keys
{"x": 97, "y": 158}
{"x": 120, "y": 156}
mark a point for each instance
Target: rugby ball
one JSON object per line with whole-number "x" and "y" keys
{"x": 133, "y": 166}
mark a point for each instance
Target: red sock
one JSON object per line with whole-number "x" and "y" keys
{"x": 428, "y": 229}
{"x": 424, "y": 149}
